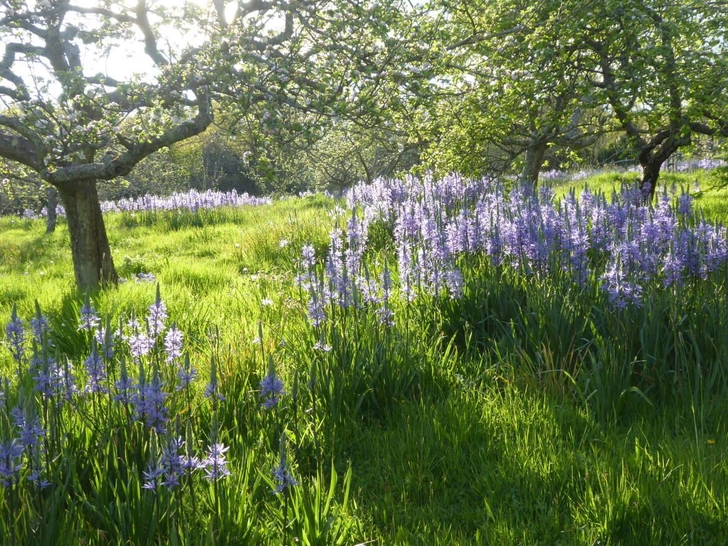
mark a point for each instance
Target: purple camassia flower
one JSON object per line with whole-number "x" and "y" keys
{"x": 536, "y": 234}
{"x": 36, "y": 478}
{"x": 10, "y": 465}
{"x": 146, "y": 277}
{"x": 368, "y": 289}
{"x": 148, "y": 401}
{"x": 456, "y": 234}
{"x": 106, "y": 340}
{"x": 139, "y": 343}
{"x": 616, "y": 217}
{"x": 356, "y": 231}
{"x": 125, "y": 388}
{"x": 316, "y": 310}
{"x": 173, "y": 343}
{"x": 687, "y": 252}
{"x": 211, "y": 389}
{"x": 215, "y": 464}
{"x": 601, "y": 229}
{"x": 89, "y": 319}
{"x": 338, "y": 289}
{"x": 716, "y": 248}
{"x": 173, "y": 463}
{"x": 307, "y": 280}
{"x": 385, "y": 313}
{"x": 53, "y": 379}
{"x": 659, "y": 230}
{"x": 321, "y": 346}
{"x": 283, "y": 476}
{"x": 578, "y": 245}
{"x": 552, "y": 174}
{"x": 30, "y": 428}
{"x": 153, "y": 477}
{"x": 157, "y": 316}
{"x": 408, "y": 271}
{"x": 672, "y": 269}
{"x": 185, "y": 374}
{"x": 271, "y": 388}
{"x": 15, "y": 335}
{"x": 96, "y": 372}
{"x": 454, "y": 282}
{"x": 309, "y": 256}
{"x": 68, "y": 388}
{"x": 621, "y": 290}
{"x": 192, "y": 200}
{"x": 40, "y": 327}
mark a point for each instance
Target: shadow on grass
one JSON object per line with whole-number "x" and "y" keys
{"x": 513, "y": 468}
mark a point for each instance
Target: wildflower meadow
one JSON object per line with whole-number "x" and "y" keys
{"x": 423, "y": 361}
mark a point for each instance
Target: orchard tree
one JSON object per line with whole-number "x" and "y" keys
{"x": 661, "y": 66}
{"x": 509, "y": 88}
{"x": 64, "y": 116}
{"x": 91, "y": 89}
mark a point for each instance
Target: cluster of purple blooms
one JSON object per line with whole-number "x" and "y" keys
{"x": 680, "y": 166}
{"x": 150, "y": 343}
{"x": 271, "y": 388}
{"x": 27, "y": 440}
{"x": 347, "y": 280}
{"x": 615, "y": 241}
{"x": 192, "y": 200}
{"x": 175, "y": 462}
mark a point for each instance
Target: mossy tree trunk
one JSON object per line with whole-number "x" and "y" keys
{"x": 93, "y": 265}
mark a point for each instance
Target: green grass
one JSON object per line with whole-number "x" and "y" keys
{"x": 711, "y": 194}
{"x": 487, "y": 420}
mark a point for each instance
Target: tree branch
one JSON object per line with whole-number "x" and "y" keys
{"x": 20, "y": 149}
{"x": 150, "y": 40}
{"x": 67, "y": 177}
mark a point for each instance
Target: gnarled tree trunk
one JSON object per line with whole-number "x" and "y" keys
{"x": 92, "y": 262}
{"x": 51, "y": 202}
{"x": 648, "y": 184}
{"x": 652, "y": 158}
{"x": 535, "y": 154}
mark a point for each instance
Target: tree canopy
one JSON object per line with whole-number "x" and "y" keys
{"x": 346, "y": 89}
{"x": 74, "y": 120}
{"x": 520, "y": 76}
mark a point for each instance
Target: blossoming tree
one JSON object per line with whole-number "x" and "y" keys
{"x": 89, "y": 89}
{"x": 661, "y": 68}
{"x": 521, "y": 76}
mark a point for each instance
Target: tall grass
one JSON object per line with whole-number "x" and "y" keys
{"x": 525, "y": 411}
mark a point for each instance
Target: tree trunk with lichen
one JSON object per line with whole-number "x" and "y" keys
{"x": 648, "y": 183}
{"x": 51, "y": 203}
{"x": 93, "y": 266}
{"x": 535, "y": 154}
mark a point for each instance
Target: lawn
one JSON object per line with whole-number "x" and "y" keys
{"x": 424, "y": 364}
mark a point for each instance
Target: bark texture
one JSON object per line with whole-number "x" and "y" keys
{"x": 92, "y": 263}
{"x": 648, "y": 184}
{"x": 51, "y": 202}
{"x": 534, "y": 161}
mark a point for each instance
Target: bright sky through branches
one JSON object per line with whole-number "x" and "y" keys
{"x": 127, "y": 59}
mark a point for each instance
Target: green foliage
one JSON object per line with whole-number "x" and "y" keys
{"x": 522, "y": 413}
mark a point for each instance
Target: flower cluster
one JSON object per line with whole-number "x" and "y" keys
{"x": 192, "y": 200}
{"x": 271, "y": 388}
{"x": 346, "y": 280}
{"x": 154, "y": 350}
{"x": 613, "y": 241}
